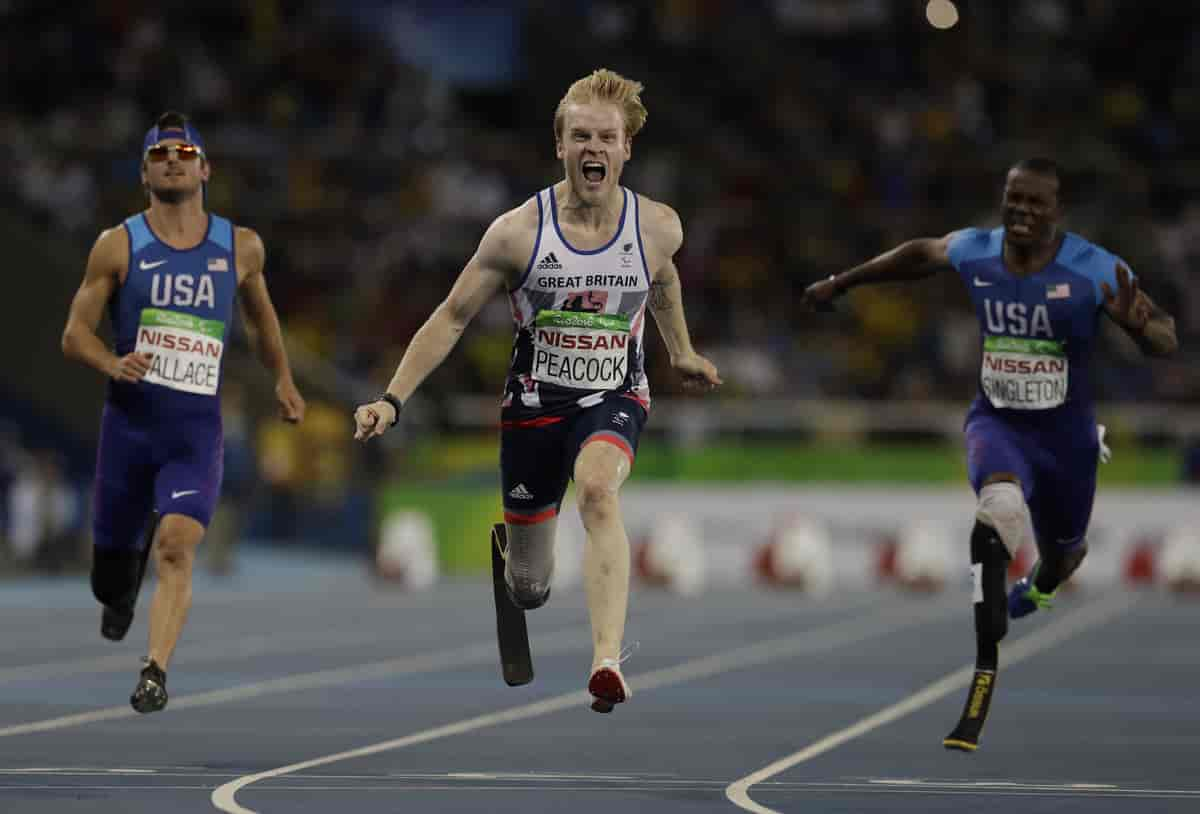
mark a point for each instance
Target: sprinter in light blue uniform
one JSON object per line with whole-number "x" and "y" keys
{"x": 1033, "y": 418}
{"x": 1032, "y": 442}
{"x": 168, "y": 277}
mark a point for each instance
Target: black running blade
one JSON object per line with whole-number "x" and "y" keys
{"x": 115, "y": 622}
{"x": 965, "y": 736}
{"x": 515, "y": 659}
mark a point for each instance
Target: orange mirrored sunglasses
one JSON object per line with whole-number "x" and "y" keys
{"x": 183, "y": 152}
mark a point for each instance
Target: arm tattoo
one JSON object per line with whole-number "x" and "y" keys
{"x": 1156, "y": 311}
{"x": 1158, "y": 334}
{"x": 660, "y": 294}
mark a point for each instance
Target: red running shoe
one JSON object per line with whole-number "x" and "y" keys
{"x": 607, "y": 686}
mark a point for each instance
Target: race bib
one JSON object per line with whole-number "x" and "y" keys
{"x": 1024, "y": 374}
{"x": 581, "y": 350}
{"x": 187, "y": 350}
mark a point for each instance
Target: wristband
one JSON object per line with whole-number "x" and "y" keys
{"x": 397, "y": 406}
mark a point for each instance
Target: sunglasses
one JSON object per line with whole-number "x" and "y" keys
{"x": 183, "y": 152}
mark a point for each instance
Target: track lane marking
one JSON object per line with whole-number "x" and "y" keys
{"x": 563, "y": 640}
{"x": 1029, "y": 645}
{"x": 824, "y": 637}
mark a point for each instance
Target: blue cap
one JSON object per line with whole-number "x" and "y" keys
{"x": 186, "y": 133}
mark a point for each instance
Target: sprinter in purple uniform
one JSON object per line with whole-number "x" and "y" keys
{"x": 168, "y": 277}
{"x": 1032, "y": 444}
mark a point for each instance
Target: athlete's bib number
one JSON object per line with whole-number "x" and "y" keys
{"x": 1024, "y": 374}
{"x": 187, "y": 350}
{"x": 581, "y": 350}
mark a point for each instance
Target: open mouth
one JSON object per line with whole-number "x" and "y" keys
{"x": 594, "y": 171}
{"x": 1018, "y": 224}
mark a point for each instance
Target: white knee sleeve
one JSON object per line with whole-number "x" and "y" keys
{"x": 1002, "y": 506}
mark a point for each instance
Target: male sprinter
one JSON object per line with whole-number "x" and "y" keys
{"x": 168, "y": 277}
{"x": 580, "y": 261}
{"x": 1032, "y": 442}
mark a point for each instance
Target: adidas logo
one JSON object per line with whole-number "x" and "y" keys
{"x": 520, "y": 492}
{"x": 548, "y": 262}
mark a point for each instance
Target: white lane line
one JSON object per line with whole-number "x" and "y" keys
{"x": 995, "y": 791}
{"x": 506, "y": 776}
{"x": 642, "y": 787}
{"x": 648, "y": 787}
{"x": 558, "y": 642}
{"x": 607, "y": 786}
{"x": 63, "y": 770}
{"x": 575, "y": 638}
{"x": 818, "y": 639}
{"x": 978, "y": 784}
{"x": 256, "y": 645}
{"x": 554, "y": 781}
{"x": 120, "y": 787}
{"x": 1060, "y": 630}
{"x": 264, "y": 644}
{"x": 649, "y": 782}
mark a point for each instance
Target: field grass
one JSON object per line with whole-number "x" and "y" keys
{"x": 475, "y": 459}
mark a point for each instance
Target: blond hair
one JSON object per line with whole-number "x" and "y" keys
{"x": 603, "y": 85}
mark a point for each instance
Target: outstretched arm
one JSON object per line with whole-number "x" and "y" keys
{"x": 484, "y": 275}
{"x": 1152, "y": 328}
{"x": 912, "y": 260}
{"x": 264, "y": 322}
{"x": 666, "y": 304}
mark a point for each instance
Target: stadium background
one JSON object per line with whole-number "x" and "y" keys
{"x": 370, "y": 144}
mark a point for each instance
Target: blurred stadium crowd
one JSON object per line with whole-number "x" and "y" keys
{"x": 370, "y": 143}
{"x": 795, "y": 138}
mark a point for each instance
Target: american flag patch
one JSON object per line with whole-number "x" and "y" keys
{"x": 218, "y": 264}
{"x": 1058, "y": 292}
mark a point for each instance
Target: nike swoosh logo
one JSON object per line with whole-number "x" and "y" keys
{"x": 981, "y": 283}
{"x": 144, "y": 266}
{"x": 177, "y": 495}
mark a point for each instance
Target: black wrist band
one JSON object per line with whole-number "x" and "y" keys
{"x": 396, "y": 406}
